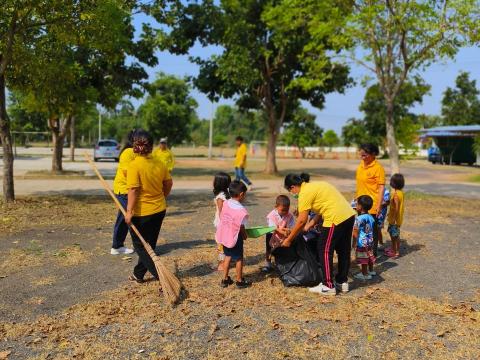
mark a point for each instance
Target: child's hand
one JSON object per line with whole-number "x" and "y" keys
{"x": 283, "y": 230}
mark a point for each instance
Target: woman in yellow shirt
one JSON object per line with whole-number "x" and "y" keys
{"x": 149, "y": 183}
{"x": 120, "y": 229}
{"x": 338, "y": 217}
{"x": 370, "y": 180}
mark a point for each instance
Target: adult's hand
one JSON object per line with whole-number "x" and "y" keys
{"x": 128, "y": 218}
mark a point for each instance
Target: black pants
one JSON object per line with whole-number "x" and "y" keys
{"x": 149, "y": 226}
{"x": 338, "y": 238}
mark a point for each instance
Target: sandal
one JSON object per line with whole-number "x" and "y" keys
{"x": 226, "y": 282}
{"x": 137, "y": 280}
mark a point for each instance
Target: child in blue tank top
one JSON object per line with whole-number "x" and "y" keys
{"x": 362, "y": 239}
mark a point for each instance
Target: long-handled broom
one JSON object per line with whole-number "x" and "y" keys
{"x": 171, "y": 286}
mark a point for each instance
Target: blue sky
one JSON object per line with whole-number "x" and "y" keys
{"x": 338, "y": 108}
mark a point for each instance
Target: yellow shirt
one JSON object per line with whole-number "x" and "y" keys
{"x": 240, "y": 156}
{"x": 369, "y": 178}
{"x": 120, "y": 181}
{"x": 324, "y": 199}
{"x": 396, "y": 219}
{"x": 148, "y": 174}
{"x": 166, "y": 156}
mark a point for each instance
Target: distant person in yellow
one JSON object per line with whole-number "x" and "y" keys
{"x": 164, "y": 154}
{"x": 120, "y": 229}
{"x": 241, "y": 162}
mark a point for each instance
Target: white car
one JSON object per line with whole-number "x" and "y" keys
{"x": 106, "y": 149}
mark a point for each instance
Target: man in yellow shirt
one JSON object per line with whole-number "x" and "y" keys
{"x": 164, "y": 154}
{"x": 241, "y": 162}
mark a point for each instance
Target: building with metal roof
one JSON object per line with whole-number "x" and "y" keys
{"x": 455, "y": 142}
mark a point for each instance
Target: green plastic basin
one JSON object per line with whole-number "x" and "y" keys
{"x": 257, "y": 231}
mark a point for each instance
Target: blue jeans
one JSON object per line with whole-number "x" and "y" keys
{"x": 240, "y": 175}
{"x": 120, "y": 229}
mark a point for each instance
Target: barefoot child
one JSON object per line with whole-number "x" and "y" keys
{"x": 280, "y": 217}
{"x": 362, "y": 239}
{"x": 395, "y": 215}
{"x": 231, "y": 233}
{"x": 221, "y": 182}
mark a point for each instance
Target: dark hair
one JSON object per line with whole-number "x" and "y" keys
{"x": 293, "y": 180}
{"x": 366, "y": 202}
{"x": 370, "y": 149}
{"x": 239, "y": 138}
{"x": 305, "y": 177}
{"x": 397, "y": 181}
{"x": 142, "y": 142}
{"x": 282, "y": 200}
{"x": 236, "y": 188}
{"x": 221, "y": 182}
{"x": 128, "y": 142}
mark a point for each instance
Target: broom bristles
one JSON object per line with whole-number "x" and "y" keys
{"x": 171, "y": 286}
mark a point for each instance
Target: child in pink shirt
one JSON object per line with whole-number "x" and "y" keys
{"x": 231, "y": 233}
{"x": 280, "y": 217}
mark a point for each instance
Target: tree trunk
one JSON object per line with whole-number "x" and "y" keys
{"x": 6, "y": 138}
{"x": 72, "y": 139}
{"x": 59, "y": 131}
{"x": 271, "y": 164}
{"x": 391, "y": 140}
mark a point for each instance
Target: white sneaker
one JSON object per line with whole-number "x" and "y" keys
{"x": 362, "y": 277}
{"x": 121, "y": 250}
{"x": 343, "y": 287}
{"x": 250, "y": 187}
{"x": 327, "y": 291}
{"x": 372, "y": 273}
{"x": 316, "y": 289}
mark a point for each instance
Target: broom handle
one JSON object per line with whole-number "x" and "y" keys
{"x": 112, "y": 195}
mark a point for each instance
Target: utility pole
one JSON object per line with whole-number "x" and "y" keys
{"x": 99, "y": 126}
{"x": 210, "y": 135}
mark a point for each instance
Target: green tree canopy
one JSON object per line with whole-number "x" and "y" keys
{"x": 169, "y": 109}
{"x": 302, "y": 130}
{"x": 461, "y": 105}
{"x": 330, "y": 139}
{"x": 265, "y": 61}
{"x": 354, "y": 132}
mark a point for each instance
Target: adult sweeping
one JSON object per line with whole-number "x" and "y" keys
{"x": 335, "y": 232}
{"x": 120, "y": 229}
{"x": 370, "y": 180}
{"x": 149, "y": 183}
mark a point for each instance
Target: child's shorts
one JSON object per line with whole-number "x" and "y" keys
{"x": 365, "y": 255}
{"x": 236, "y": 253}
{"x": 381, "y": 219}
{"x": 394, "y": 230}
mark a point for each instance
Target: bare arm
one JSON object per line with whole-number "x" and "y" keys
{"x": 219, "y": 206}
{"x": 394, "y": 206}
{"x": 243, "y": 232}
{"x": 297, "y": 229}
{"x": 381, "y": 189}
{"x": 132, "y": 200}
{"x": 167, "y": 187}
{"x": 354, "y": 237}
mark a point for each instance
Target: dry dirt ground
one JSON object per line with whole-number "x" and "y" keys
{"x": 63, "y": 296}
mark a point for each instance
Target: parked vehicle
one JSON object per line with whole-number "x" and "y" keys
{"x": 106, "y": 149}
{"x": 434, "y": 155}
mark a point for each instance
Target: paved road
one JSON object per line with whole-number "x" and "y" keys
{"x": 423, "y": 177}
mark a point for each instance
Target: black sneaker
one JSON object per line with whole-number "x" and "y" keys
{"x": 243, "y": 284}
{"x": 226, "y": 282}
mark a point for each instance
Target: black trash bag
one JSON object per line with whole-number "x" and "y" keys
{"x": 297, "y": 264}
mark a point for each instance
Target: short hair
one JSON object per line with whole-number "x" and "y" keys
{"x": 365, "y": 201}
{"x": 397, "y": 181}
{"x": 370, "y": 149}
{"x": 236, "y": 188}
{"x": 221, "y": 182}
{"x": 293, "y": 180}
{"x": 305, "y": 177}
{"x": 239, "y": 138}
{"x": 282, "y": 200}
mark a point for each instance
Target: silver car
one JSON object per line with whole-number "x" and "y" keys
{"x": 107, "y": 149}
